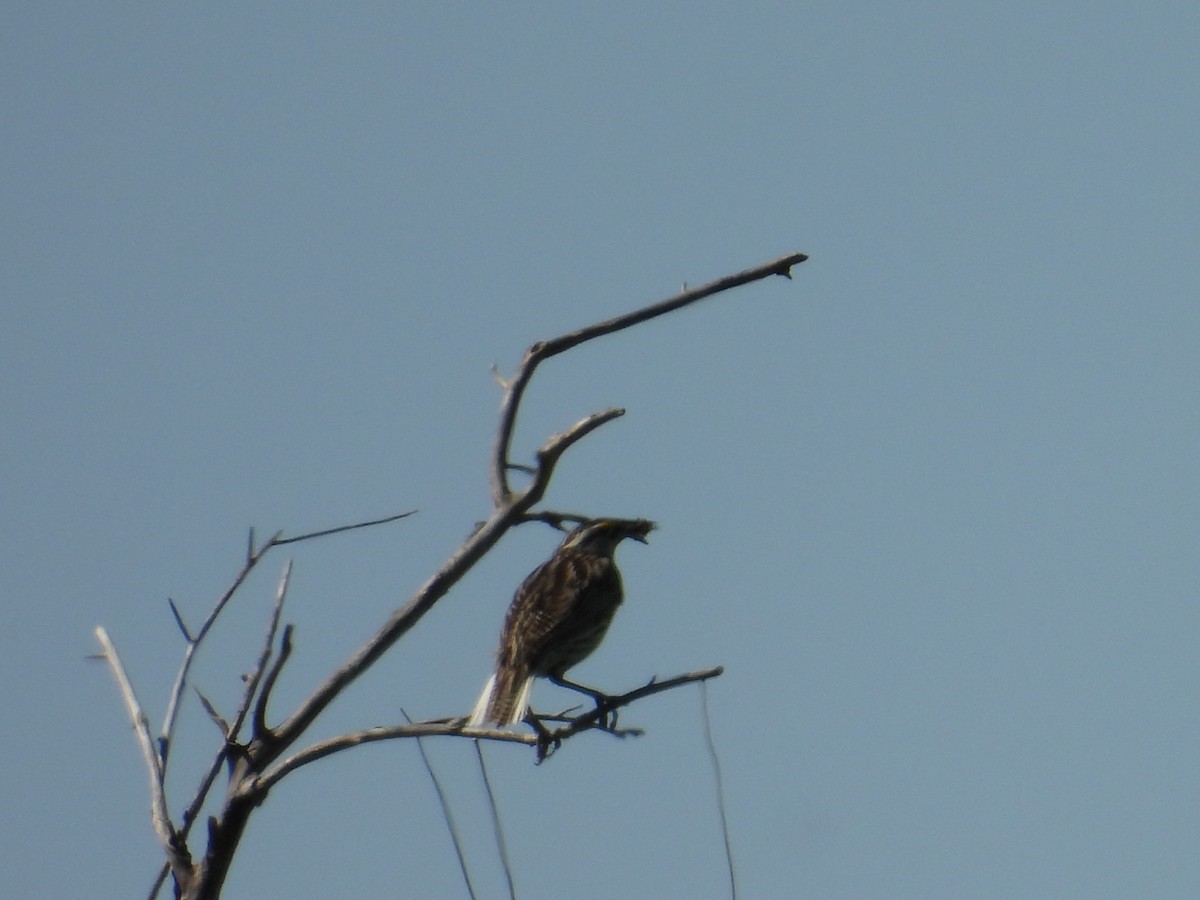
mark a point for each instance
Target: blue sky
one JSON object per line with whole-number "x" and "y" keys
{"x": 933, "y": 503}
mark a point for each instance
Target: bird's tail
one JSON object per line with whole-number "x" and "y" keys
{"x": 504, "y": 700}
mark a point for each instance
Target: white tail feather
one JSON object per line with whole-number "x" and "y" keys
{"x": 522, "y": 704}
{"x": 479, "y": 714}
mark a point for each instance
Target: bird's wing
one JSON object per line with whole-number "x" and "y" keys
{"x": 549, "y": 599}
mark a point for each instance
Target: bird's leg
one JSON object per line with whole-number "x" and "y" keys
{"x": 608, "y": 721}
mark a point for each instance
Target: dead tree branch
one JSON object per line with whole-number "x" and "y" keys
{"x": 253, "y": 558}
{"x": 257, "y": 788}
{"x": 514, "y": 389}
{"x": 177, "y": 854}
{"x": 255, "y": 767}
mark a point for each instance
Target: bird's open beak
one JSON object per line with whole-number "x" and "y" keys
{"x": 641, "y": 536}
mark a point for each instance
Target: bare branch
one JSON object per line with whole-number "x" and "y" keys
{"x": 279, "y": 542}
{"x": 559, "y": 443}
{"x": 217, "y": 718}
{"x": 556, "y": 446}
{"x": 261, "y": 729}
{"x": 781, "y": 266}
{"x": 543, "y": 350}
{"x": 163, "y": 871}
{"x": 260, "y": 708}
{"x": 187, "y": 635}
{"x": 255, "y": 789}
{"x": 231, "y": 731}
{"x": 189, "y": 651}
{"x": 177, "y": 855}
{"x": 253, "y": 557}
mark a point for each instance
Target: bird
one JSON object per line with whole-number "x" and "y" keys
{"x": 557, "y": 617}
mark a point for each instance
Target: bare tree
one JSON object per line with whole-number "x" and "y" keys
{"x": 254, "y": 764}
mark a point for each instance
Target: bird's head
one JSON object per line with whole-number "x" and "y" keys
{"x": 603, "y": 535}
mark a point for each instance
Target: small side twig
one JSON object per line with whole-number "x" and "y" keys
{"x": 550, "y": 452}
{"x": 187, "y": 635}
{"x": 217, "y": 718}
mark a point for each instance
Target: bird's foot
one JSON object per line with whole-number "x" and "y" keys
{"x": 547, "y": 743}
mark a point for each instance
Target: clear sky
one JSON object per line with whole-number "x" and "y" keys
{"x": 933, "y": 504}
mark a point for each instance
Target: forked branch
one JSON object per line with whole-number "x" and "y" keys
{"x": 514, "y": 389}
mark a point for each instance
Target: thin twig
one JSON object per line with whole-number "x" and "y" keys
{"x": 279, "y": 542}
{"x": 160, "y": 818}
{"x": 187, "y": 635}
{"x": 716, "y": 765}
{"x": 447, "y": 815}
{"x": 163, "y": 871}
{"x": 217, "y": 718}
{"x": 497, "y": 828}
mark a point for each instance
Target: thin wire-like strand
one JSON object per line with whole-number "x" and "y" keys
{"x": 716, "y": 765}
{"x": 446, "y": 814}
{"x": 496, "y": 826}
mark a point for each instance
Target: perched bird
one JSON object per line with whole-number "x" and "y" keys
{"x": 557, "y": 618}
